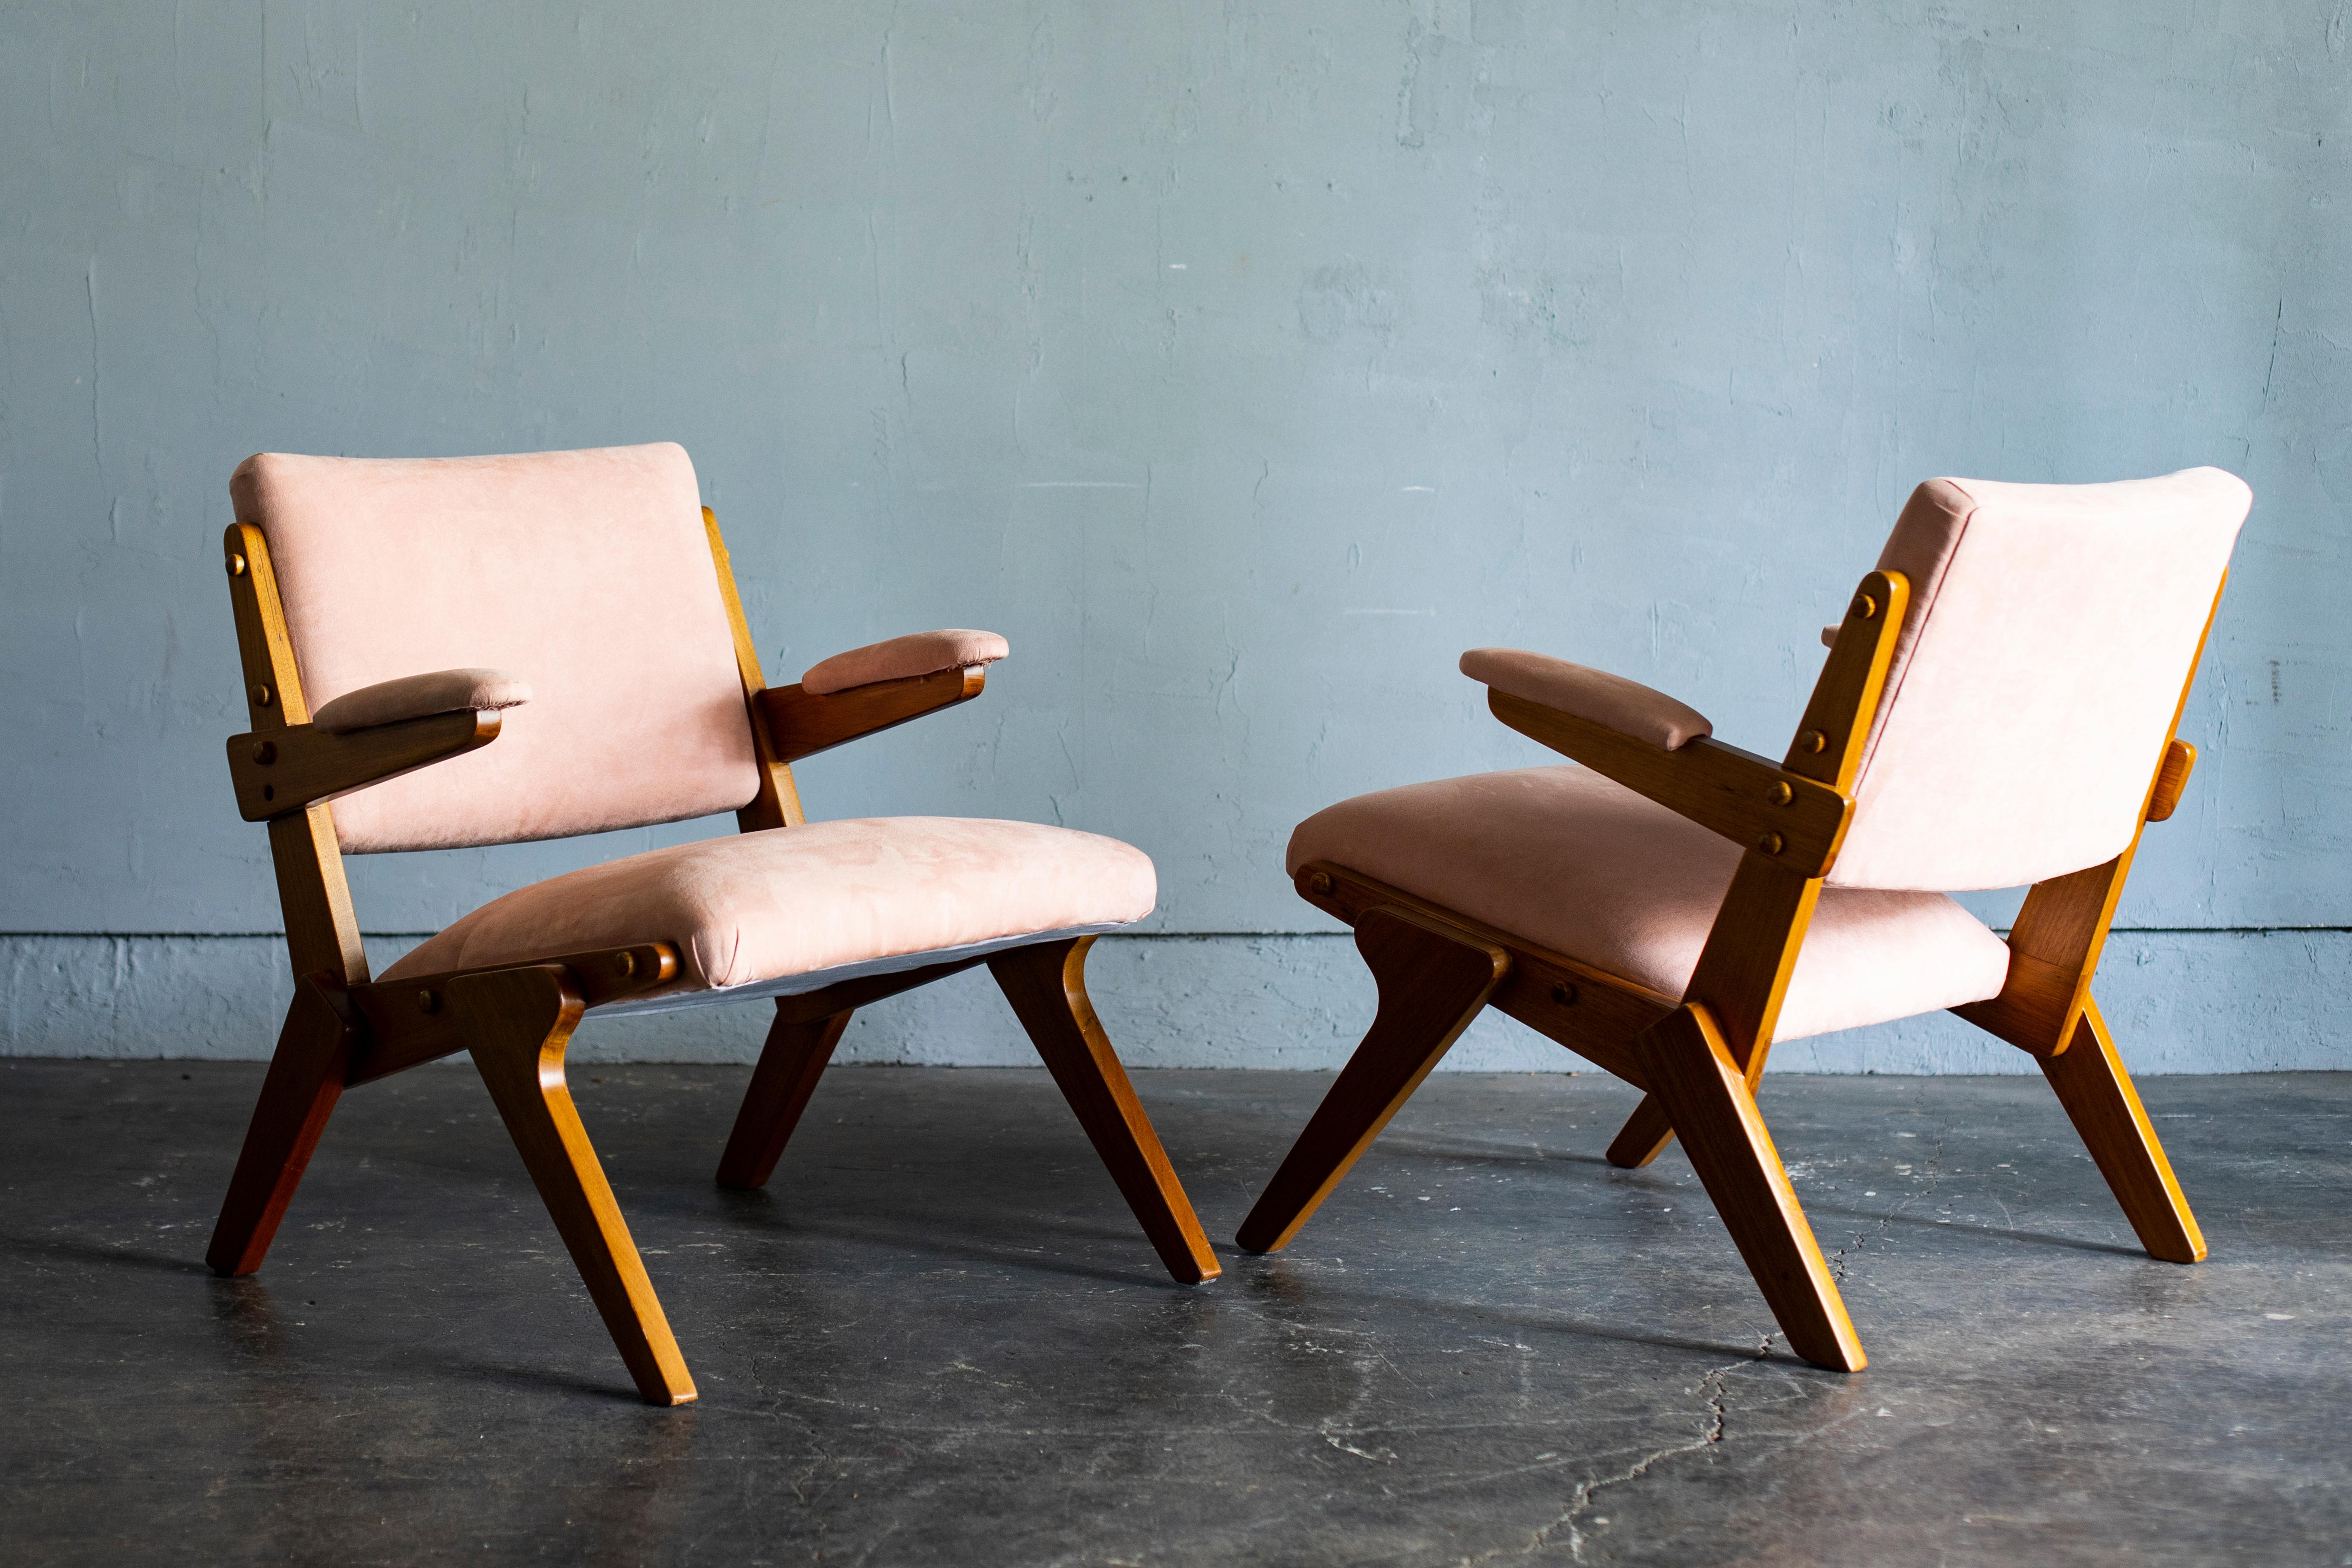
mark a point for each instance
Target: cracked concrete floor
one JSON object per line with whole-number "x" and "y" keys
{"x": 940, "y": 1338}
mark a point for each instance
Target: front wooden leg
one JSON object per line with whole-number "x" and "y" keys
{"x": 519, "y": 1021}
{"x": 1705, "y": 1094}
{"x": 305, "y": 1079}
{"x": 1047, "y": 988}
{"x": 1433, "y": 981}
{"x": 789, "y": 1065}
{"x": 2098, "y": 1093}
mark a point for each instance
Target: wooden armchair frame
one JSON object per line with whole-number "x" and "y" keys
{"x": 1699, "y": 1059}
{"x": 343, "y": 1028}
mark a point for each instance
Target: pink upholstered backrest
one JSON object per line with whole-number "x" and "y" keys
{"x": 589, "y": 574}
{"x": 2051, "y": 630}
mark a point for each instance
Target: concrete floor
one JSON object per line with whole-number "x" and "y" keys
{"x": 938, "y": 1338}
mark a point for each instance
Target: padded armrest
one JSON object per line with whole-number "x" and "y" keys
{"x": 1829, "y": 636}
{"x": 419, "y": 696}
{"x": 1611, "y": 701}
{"x": 902, "y": 658}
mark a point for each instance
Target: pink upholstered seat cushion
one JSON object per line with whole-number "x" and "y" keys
{"x": 588, "y": 573}
{"x": 1567, "y": 860}
{"x": 916, "y": 654}
{"x": 758, "y": 906}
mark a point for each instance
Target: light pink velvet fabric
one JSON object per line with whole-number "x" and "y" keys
{"x": 417, "y": 696}
{"x": 916, "y": 654}
{"x": 590, "y": 573}
{"x": 1568, "y": 861}
{"x": 758, "y": 906}
{"x": 1627, "y": 707}
{"x": 2051, "y": 628}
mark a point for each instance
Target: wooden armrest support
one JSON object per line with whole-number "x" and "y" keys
{"x": 2171, "y": 780}
{"x": 277, "y": 772}
{"x": 408, "y": 1020}
{"x": 801, "y": 723}
{"x": 1747, "y": 799}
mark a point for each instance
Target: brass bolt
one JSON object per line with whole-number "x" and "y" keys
{"x": 265, "y": 752}
{"x": 427, "y": 1002}
{"x": 1564, "y": 994}
{"x": 1320, "y": 882}
{"x": 1771, "y": 843}
{"x": 1779, "y": 794}
{"x": 1865, "y": 607}
{"x": 235, "y": 564}
{"x": 625, "y": 964}
{"x": 1813, "y": 740}
{"x": 261, "y": 696}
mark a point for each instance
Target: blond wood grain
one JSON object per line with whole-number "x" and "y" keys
{"x": 2100, "y": 1100}
{"x": 307, "y": 1075}
{"x": 408, "y": 1022}
{"x": 1585, "y": 1009}
{"x": 2171, "y": 780}
{"x": 1433, "y": 978}
{"x": 790, "y": 1062}
{"x": 279, "y": 771}
{"x": 519, "y": 1021}
{"x": 801, "y": 724}
{"x": 1046, "y": 986}
{"x": 1726, "y": 790}
{"x": 778, "y": 803}
{"x": 1705, "y": 1094}
{"x": 322, "y": 934}
{"x": 1743, "y": 973}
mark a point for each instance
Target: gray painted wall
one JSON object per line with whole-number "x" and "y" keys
{"x": 1241, "y": 363}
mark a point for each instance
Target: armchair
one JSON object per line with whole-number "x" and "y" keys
{"x": 640, "y": 698}
{"x": 1998, "y": 708}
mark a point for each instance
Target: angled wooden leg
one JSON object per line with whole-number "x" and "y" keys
{"x": 305, "y": 1079}
{"x": 1645, "y": 1136}
{"x": 1706, "y": 1093}
{"x": 789, "y": 1065}
{"x": 1047, "y": 988}
{"x": 2105, "y": 1110}
{"x": 520, "y": 1021}
{"x": 1433, "y": 980}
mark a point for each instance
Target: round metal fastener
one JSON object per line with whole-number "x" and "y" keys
{"x": 1771, "y": 843}
{"x": 1320, "y": 882}
{"x": 625, "y": 964}
{"x": 428, "y": 1002}
{"x": 1865, "y": 608}
{"x": 265, "y": 752}
{"x": 261, "y": 696}
{"x": 1813, "y": 740}
{"x": 1564, "y": 994}
{"x": 236, "y": 565}
{"x": 1779, "y": 794}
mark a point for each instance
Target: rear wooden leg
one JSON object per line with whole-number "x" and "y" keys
{"x": 2099, "y": 1098}
{"x": 305, "y": 1079}
{"x": 789, "y": 1065}
{"x": 1645, "y": 1136}
{"x": 1047, "y": 985}
{"x": 1705, "y": 1094}
{"x": 1433, "y": 981}
{"x": 520, "y": 1021}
